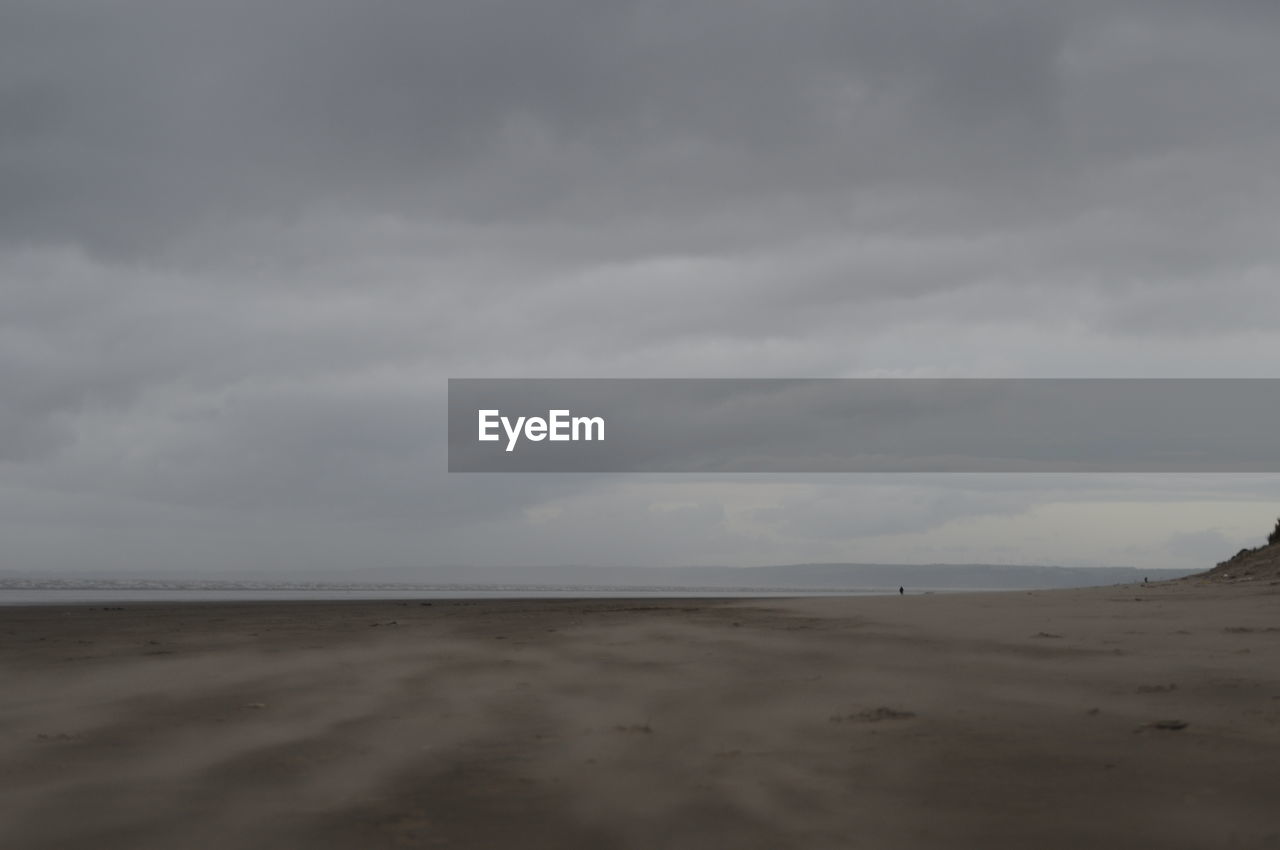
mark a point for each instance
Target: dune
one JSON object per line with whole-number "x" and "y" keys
{"x": 1261, "y": 564}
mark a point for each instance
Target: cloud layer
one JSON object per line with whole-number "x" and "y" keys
{"x": 242, "y": 247}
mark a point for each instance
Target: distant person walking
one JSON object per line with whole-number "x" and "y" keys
{"x": 901, "y": 591}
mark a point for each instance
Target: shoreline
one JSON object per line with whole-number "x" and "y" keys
{"x": 973, "y": 719}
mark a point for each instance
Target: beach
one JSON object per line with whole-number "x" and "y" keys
{"x": 1130, "y": 716}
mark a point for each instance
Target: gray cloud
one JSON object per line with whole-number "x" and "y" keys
{"x": 243, "y": 245}
{"x": 130, "y": 124}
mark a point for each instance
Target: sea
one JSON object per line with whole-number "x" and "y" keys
{"x": 102, "y": 596}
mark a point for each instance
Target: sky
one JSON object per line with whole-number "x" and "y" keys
{"x": 243, "y": 246}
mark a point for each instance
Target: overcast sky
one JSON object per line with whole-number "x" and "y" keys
{"x": 243, "y": 245}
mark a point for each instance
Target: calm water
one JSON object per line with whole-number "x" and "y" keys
{"x": 92, "y": 596}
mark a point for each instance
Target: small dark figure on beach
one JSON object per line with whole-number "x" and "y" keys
{"x": 1144, "y": 579}
{"x": 901, "y": 591}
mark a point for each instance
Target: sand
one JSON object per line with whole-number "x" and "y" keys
{"x": 1138, "y": 716}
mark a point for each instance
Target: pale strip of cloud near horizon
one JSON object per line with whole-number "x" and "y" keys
{"x": 242, "y": 248}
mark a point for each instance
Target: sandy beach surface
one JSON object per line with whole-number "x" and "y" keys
{"x": 1133, "y": 716}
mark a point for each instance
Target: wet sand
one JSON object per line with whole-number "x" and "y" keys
{"x": 1113, "y": 717}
